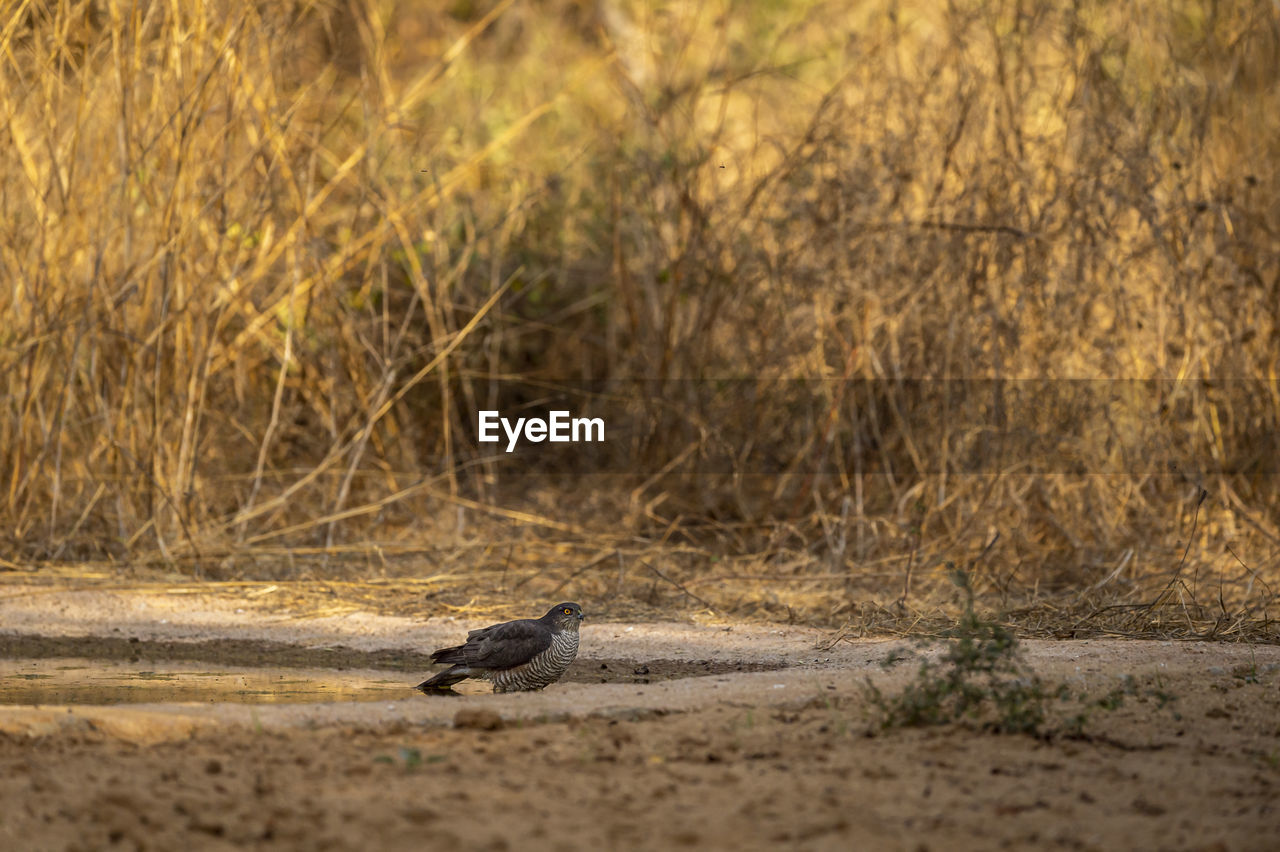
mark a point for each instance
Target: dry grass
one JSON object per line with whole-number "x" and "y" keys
{"x": 867, "y": 289}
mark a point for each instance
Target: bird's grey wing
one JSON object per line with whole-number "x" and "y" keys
{"x": 510, "y": 644}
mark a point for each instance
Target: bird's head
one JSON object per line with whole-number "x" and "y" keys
{"x": 565, "y": 615}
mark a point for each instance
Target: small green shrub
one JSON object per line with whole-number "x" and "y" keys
{"x": 981, "y": 677}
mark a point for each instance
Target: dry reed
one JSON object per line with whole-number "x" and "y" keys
{"x": 999, "y": 284}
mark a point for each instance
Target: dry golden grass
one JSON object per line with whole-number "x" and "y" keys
{"x": 263, "y": 262}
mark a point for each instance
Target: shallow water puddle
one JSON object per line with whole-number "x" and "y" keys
{"x": 81, "y": 681}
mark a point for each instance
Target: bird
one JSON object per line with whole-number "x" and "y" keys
{"x": 515, "y": 656}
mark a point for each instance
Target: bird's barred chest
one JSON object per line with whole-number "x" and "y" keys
{"x": 542, "y": 670}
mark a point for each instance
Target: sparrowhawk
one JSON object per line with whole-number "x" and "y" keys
{"x": 514, "y": 656}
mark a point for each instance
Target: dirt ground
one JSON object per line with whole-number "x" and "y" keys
{"x": 1183, "y": 752}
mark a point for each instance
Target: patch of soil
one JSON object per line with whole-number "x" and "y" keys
{"x": 1175, "y": 746}
{"x": 651, "y": 671}
{"x": 251, "y": 653}
{"x": 1203, "y": 776}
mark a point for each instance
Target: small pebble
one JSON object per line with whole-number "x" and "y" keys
{"x": 477, "y": 719}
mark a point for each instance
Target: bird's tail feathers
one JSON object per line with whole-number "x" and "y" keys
{"x": 453, "y": 656}
{"x": 445, "y": 679}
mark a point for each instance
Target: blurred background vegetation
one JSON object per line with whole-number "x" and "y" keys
{"x": 263, "y": 262}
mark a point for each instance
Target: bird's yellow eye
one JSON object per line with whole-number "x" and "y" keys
{"x": 567, "y": 611}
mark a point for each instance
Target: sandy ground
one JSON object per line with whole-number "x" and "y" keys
{"x": 1185, "y": 756}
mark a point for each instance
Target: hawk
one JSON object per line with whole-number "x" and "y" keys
{"x": 515, "y": 656}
